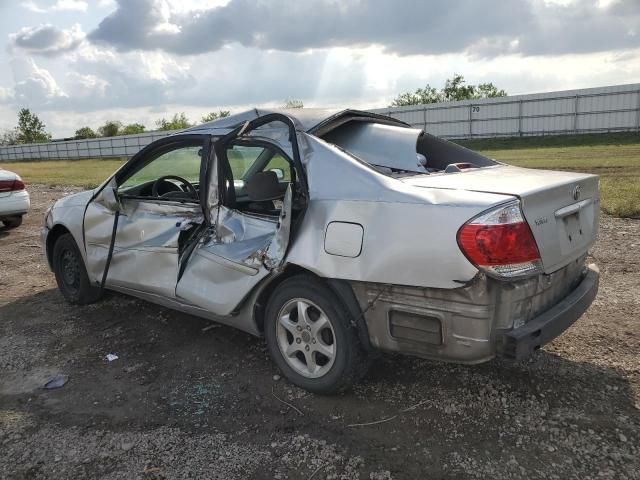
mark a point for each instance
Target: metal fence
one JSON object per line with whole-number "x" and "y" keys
{"x": 111, "y": 147}
{"x": 591, "y": 110}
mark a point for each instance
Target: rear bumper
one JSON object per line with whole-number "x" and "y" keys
{"x": 15, "y": 204}
{"x": 521, "y": 342}
{"x": 479, "y": 321}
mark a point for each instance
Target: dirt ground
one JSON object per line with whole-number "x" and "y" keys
{"x": 183, "y": 403}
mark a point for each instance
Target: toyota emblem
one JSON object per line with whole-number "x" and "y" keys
{"x": 575, "y": 193}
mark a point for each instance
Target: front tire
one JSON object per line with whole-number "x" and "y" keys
{"x": 311, "y": 338}
{"x": 71, "y": 274}
{"x": 13, "y": 222}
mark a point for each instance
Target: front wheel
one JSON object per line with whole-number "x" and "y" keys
{"x": 310, "y": 337}
{"x": 71, "y": 274}
{"x": 13, "y": 222}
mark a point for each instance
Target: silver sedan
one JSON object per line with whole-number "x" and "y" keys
{"x": 336, "y": 235}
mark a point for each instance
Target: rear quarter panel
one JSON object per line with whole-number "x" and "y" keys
{"x": 409, "y": 233}
{"x": 403, "y": 243}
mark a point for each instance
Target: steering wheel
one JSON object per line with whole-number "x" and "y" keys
{"x": 188, "y": 186}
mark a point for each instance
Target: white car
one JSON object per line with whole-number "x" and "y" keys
{"x": 14, "y": 199}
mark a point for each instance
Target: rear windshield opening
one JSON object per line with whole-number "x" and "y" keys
{"x": 400, "y": 151}
{"x": 441, "y": 153}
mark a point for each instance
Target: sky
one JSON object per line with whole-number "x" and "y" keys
{"x": 82, "y": 62}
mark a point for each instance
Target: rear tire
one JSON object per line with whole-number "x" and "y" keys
{"x": 311, "y": 338}
{"x": 12, "y": 222}
{"x": 71, "y": 273}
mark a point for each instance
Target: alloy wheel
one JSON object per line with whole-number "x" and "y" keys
{"x": 306, "y": 338}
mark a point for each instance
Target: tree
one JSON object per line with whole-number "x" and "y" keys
{"x": 293, "y": 103}
{"x": 85, "y": 132}
{"x": 178, "y": 122}
{"x": 421, "y": 96}
{"x": 489, "y": 90}
{"x": 210, "y": 117}
{"x": 9, "y": 137}
{"x": 30, "y": 128}
{"x": 111, "y": 128}
{"x": 454, "y": 89}
{"x": 132, "y": 129}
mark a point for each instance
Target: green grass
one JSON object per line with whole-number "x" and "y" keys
{"x": 615, "y": 157}
{"x": 82, "y": 173}
{"x": 549, "y": 141}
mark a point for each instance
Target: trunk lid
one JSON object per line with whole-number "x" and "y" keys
{"x": 562, "y": 208}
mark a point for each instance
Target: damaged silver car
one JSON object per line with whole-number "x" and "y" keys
{"x": 336, "y": 235}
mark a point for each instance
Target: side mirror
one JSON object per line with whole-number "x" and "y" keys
{"x": 108, "y": 198}
{"x": 279, "y": 173}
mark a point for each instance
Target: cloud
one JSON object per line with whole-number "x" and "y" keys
{"x": 86, "y": 86}
{"x": 133, "y": 79}
{"x": 60, "y": 5}
{"x": 6, "y": 95}
{"x": 72, "y": 5}
{"x": 402, "y": 27}
{"x": 104, "y": 79}
{"x": 33, "y": 7}
{"x": 106, "y": 3}
{"x": 33, "y": 85}
{"x": 97, "y": 84}
{"x": 582, "y": 27}
{"x": 156, "y": 57}
{"x": 98, "y": 78}
{"x": 46, "y": 39}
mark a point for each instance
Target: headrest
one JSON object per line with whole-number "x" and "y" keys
{"x": 263, "y": 186}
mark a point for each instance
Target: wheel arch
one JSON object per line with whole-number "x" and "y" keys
{"x": 52, "y": 237}
{"x": 341, "y": 288}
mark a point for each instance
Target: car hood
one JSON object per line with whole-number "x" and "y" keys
{"x": 74, "y": 199}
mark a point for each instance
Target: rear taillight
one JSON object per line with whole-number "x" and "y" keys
{"x": 500, "y": 242}
{"x": 11, "y": 185}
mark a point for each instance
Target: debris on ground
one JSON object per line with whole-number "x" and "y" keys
{"x": 211, "y": 327}
{"x": 57, "y": 381}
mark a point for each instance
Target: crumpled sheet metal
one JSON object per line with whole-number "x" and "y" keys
{"x": 274, "y": 256}
{"x": 381, "y": 145}
{"x": 469, "y": 315}
{"x": 226, "y": 267}
{"x": 415, "y": 223}
{"x": 235, "y": 226}
{"x": 146, "y": 247}
{"x": 217, "y": 284}
{"x": 98, "y": 226}
{"x": 155, "y": 269}
{"x": 146, "y": 244}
